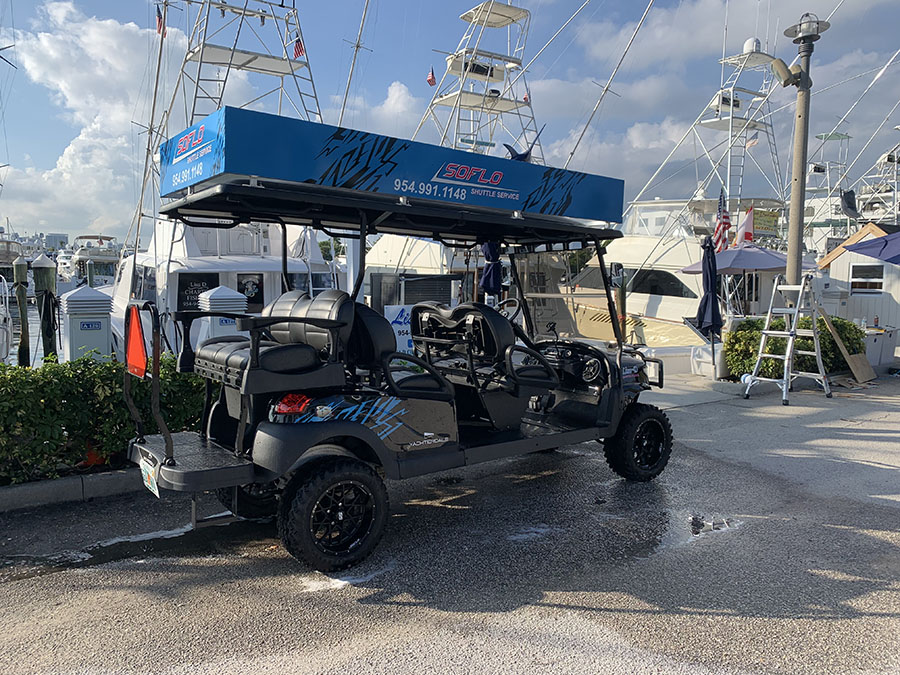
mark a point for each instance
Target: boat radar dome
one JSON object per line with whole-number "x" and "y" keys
{"x": 752, "y": 45}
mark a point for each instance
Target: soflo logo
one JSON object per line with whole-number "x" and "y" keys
{"x": 463, "y": 174}
{"x": 190, "y": 140}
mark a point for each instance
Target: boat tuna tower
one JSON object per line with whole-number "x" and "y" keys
{"x": 482, "y": 98}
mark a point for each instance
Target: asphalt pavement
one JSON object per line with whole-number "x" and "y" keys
{"x": 769, "y": 544}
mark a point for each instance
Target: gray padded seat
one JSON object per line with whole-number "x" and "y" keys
{"x": 295, "y": 349}
{"x": 225, "y": 359}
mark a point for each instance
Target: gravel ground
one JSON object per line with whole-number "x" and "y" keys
{"x": 740, "y": 558}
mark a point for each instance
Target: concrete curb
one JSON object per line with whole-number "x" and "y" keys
{"x": 70, "y": 489}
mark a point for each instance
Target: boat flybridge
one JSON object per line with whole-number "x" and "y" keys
{"x": 101, "y": 251}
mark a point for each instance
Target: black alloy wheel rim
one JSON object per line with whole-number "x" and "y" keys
{"x": 649, "y": 440}
{"x": 342, "y": 517}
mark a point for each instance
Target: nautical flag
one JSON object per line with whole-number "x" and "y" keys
{"x": 723, "y": 224}
{"x": 745, "y": 229}
{"x": 752, "y": 140}
{"x": 527, "y": 97}
{"x": 160, "y": 26}
{"x": 299, "y": 50}
{"x": 431, "y": 79}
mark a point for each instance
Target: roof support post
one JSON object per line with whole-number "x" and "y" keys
{"x": 526, "y": 310}
{"x": 361, "y": 253}
{"x": 285, "y": 280}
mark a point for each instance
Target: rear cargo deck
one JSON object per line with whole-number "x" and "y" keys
{"x": 199, "y": 464}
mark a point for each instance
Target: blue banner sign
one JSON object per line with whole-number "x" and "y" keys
{"x": 234, "y": 143}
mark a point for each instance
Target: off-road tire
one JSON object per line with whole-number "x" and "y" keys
{"x": 640, "y": 449}
{"x": 253, "y": 501}
{"x": 304, "y": 498}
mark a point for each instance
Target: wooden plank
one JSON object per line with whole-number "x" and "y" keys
{"x": 859, "y": 364}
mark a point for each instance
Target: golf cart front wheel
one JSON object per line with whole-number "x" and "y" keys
{"x": 333, "y": 514}
{"x": 641, "y": 447}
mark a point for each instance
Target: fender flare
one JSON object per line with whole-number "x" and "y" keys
{"x": 281, "y": 448}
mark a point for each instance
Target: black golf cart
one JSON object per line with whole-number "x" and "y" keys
{"x": 306, "y": 416}
{"x": 309, "y": 409}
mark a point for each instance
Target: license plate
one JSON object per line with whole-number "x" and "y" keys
{"x": 149, "y": 472}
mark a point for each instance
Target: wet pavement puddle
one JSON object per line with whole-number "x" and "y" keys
{"x": 181, "y": 540}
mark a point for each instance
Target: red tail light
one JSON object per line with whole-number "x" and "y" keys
{"x": 292, "y": 404}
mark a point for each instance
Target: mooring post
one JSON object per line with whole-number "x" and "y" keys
{"x": 89, "y": 266}
{"x": 20, "y": 277}
{"x": 44, "y": 271}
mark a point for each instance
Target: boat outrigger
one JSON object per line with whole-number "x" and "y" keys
{"x": 307, "y": 413}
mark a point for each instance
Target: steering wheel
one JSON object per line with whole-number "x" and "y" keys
{"x": 516, "y": 305}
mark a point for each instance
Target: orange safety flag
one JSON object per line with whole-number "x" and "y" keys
{"x": 135, "y": 349}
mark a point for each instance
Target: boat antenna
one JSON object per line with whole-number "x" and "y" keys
{"x": 606, "y": 87}
{"x": 356, "y": 47}
{"x": 148, "y": 157}
{"x": 724, "y": 45}
{"x": 546, "y": 44}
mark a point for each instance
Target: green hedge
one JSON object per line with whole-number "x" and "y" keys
{"x": 742, "y": 345}
{"x": 50, "y": 417}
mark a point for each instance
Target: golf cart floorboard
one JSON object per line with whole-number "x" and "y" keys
{"x": 199, "y": 464}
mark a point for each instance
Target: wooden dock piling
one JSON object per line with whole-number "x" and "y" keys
{"x": 44, "y": 271}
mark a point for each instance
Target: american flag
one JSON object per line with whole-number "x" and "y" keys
{"x": 431, "y": 79}
{"x": 160, "y": 26}
{"x": 299, "y": 50}
{"x": 752, "y": 140}
{"x": 723, "y": 224}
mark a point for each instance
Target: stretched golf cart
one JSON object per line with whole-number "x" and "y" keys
{"x": 306, "y": 414}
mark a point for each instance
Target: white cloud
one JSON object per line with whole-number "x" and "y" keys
{"x": 397, "y": 114}
{"x": 93, "y": 69}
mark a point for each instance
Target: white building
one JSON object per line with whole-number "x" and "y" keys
{"x": 859, "y": 287}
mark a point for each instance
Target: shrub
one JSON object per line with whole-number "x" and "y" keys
{"x": 51, "y": 416}
{"x": 742, "y": 345}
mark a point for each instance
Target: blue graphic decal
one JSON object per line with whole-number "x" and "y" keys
{"x": 380, "y": 414}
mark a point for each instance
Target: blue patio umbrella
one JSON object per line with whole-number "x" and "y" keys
{"x": 747, "y": 258}
{"x": 709, "y": 318}
{"x": 492, "y": 277}
{"x": 885, "y": 248}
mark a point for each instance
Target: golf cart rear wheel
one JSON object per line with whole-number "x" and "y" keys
{"x": 641, "y": 447}
{"x": 251, "y": 501}
{"x": 333, "y": 514}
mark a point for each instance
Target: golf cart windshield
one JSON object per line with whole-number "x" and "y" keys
{"x": 557, "y": 289}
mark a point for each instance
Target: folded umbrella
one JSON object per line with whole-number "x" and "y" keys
{"x": 492, "y": 277}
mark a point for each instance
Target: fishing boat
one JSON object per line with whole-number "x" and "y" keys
{"x": 260, "y": 42}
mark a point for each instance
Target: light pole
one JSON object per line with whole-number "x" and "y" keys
{"x": 804, "y": 35}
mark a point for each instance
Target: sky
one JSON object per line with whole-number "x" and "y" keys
{"x": 73, "y": 107}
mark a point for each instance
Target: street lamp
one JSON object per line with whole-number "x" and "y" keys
{"x": 804, "y": 35}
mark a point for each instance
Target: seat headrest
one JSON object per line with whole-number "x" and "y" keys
{"x": 332, "y": 304}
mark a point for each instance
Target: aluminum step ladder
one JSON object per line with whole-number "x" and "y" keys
{"x": 804, "y": 304}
